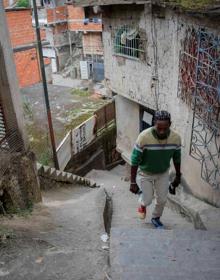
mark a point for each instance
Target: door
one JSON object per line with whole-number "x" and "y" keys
{"x": 84, "y": 70}
{"x": 98, "y": 71}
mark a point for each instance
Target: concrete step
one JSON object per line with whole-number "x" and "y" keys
{"x": 153, "y": 254}
{"x": 125, "y": 203}
{"x": 53, "y": 172}
{"x": 66, "y": 177}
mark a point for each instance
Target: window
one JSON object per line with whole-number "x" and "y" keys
{"x": 128, "y": 42}
{"x": 146, "y": 117}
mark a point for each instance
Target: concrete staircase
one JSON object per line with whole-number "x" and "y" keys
{"x": 138, "y": 254}
{"x": 139, "y": 251}
{"x": 65, "y": 177}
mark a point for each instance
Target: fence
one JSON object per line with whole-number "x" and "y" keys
{"x": 104, "y": 116}
{"x": 77, "y": 139}
{"x": 2, "y": 125}
{"x": 10, "y": 138}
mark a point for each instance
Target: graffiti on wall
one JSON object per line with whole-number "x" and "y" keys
{"x": 83, "y": 135}
{"x": 199, "y": 87}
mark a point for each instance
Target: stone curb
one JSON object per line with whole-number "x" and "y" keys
{"x": 201, "y": 214}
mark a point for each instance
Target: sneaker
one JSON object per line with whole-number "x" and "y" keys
{"x": 142, "y": 212}
{"x": 157, "y": 223}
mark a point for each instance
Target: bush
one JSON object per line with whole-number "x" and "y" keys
{"x": 23, "y": 3}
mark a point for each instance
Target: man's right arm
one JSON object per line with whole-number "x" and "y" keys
{"x": 136, "y": 158}
{"x": 133, "y": 185}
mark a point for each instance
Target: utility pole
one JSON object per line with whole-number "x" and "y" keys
{"x": 71, "y": 53}
{"x": 44, "y": 81}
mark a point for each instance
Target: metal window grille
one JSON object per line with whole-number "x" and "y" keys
{"x": 199, "y": 82}
{"x": 127, "y": 41}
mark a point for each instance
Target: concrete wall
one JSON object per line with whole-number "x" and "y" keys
{"x": 60, "y": 33}
{"x": 153, "y": 81}
{"x": 9, "y": 89}
{"x": 128, "y": 77}
{"x": 48, "y": 71}
{"x": 7, "y": 3}
{"x": 58, "y": 38}
{"x": 128, "y": 129}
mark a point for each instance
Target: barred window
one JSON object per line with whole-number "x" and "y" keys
{"x": 127, "y": 41}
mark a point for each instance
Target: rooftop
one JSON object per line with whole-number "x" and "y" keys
{"x": 211, "y": 7}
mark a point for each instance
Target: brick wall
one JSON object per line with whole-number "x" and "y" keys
{"x": 20, "y": 27}
{"x": 76, "y": 15}
{"x": 57, "y": 14}
{"x": 60, "y": 28}
{"x": 75, "y": 12}
{"x": 27, "y": 67}
{"x": 21, "y": 34}
{"x": 92, "y": 43}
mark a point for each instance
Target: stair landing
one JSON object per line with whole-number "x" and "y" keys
{"x": 152, "y": 254}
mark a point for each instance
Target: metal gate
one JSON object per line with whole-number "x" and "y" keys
{"x": 98, "y": 71}
{"x": 2, "y": 125}
{"x": 205, "y": 137}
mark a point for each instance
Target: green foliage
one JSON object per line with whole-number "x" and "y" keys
{"x": 39, "y": 143}
{"x": 5, "y": 234}
{"x": 23, "y": 3}
{"x": 79, "y": 92}
{"x": 27, "y": 108}
{"x": 45, "y": 158}
{"x": 27, "y": 211}
{"x": 78, "y": 120}
{"x": 12, "y": 210}
{"x": 196, "y": 4}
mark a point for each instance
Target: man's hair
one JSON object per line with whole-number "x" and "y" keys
{"x": 162, "y": 116}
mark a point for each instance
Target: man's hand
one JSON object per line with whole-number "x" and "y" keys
{"x": 176, "y": 181}
{"x": 134, "y": 188}
{"x": 174, "y": 184}
{"x": 172, "y": 189}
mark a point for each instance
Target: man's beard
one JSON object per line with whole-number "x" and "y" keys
{"x": 163, "y": 136}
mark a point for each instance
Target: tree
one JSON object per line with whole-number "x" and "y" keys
{"x": 23, "y": 3}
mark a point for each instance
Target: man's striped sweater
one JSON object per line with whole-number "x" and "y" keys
{"x": 153, "y": 155}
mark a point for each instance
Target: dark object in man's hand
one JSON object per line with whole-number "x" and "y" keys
{"x": 176, "y": 181}
{"x": 134, "y": 188}
{"x": 174, "y": 184}
{"x": 172, "y": 189}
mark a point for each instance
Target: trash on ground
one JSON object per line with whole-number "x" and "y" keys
{"x": 39, "y": 260}
{"x": 104, "y": 237}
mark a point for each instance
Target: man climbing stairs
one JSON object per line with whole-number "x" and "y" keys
{"x": 139, "y": 251}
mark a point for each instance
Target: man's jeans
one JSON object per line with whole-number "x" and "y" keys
{"x": 155, "y": 185}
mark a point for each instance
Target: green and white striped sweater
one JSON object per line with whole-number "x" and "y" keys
{"x": 153, "y": 155}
